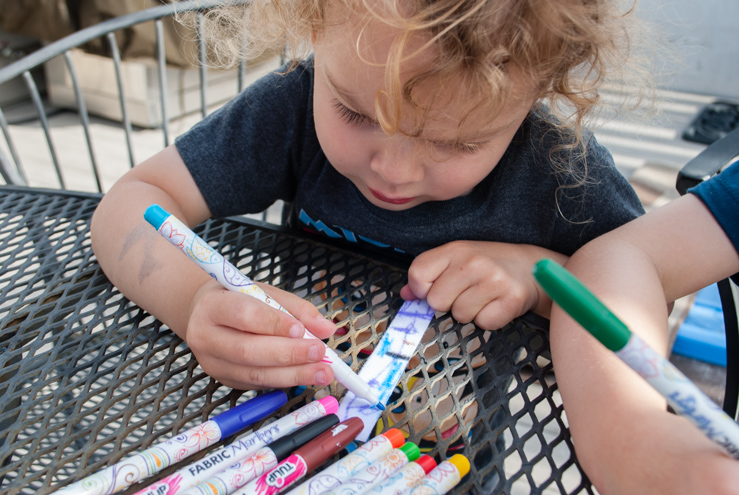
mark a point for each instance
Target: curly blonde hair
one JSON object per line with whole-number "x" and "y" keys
{"x": 567, "y": 48}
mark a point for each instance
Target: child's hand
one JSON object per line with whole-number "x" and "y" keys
{"x": 246, "y": 344}
{"x": 489, "y": 283}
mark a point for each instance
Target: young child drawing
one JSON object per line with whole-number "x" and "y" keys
{"x": 413, "y": 126}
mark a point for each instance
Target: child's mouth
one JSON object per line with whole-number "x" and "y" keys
{"x": 393, "y": 201}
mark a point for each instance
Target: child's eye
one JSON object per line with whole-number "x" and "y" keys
{"x": 348, "y": 115}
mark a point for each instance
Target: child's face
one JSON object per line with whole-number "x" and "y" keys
{"x": 399, "y": 172}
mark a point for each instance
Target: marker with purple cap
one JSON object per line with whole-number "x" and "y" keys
{"x": 141, "y": 465}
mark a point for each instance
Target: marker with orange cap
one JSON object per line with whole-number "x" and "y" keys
{"x": 305, "y": 459}
{"x": 379, "y": 471}
{"x": 364, "y": 456}
{"x": 404, "y": 479}
{"x": 443, "y": 478}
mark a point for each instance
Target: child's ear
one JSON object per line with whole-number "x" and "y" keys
{"x": 313, "y": 36}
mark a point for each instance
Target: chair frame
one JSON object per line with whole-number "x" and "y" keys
{"x": 11, "y": 168}
{"x": 708, "y": 163}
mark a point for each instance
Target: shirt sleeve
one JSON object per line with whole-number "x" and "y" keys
{"x": 720, "y": 194}
{"x": 247, "y": 154}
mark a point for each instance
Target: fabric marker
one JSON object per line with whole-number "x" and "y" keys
{"x": 181, "y": 236}
{"x": 238, "y": 475}
{"x": 406, "y": 478}
{"x": 141, "y": 465}
{"x": 241, "y": 448}
{"x": 379, "y": 471}
{"x": 684, "y": 396}
{"x": 443, "y": 477}
{"x": 344, "y": 468}
{"x": 305, "y": 459}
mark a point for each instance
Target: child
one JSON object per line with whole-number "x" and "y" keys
{"x": 415, "y": 127}
{"x": 637, "y": 270}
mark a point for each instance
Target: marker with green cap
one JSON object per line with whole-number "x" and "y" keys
{"x": 684, "y": 396}
{"x": 379, "y": 471}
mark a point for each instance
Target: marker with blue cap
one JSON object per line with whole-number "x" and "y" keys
{"x": 187, "y": 241}
{"x": 141, "y": 465}
{"x": 684, "y": 396}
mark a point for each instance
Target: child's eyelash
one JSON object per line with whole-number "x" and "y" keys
{"x": 468, "y": 149}
{"x": 463, "y": 148}
{"x": 348, "y": 115}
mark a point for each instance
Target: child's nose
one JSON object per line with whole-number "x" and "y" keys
{"x": 398, "y": 163}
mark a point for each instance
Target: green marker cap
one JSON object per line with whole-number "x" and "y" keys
{"x": 410, "y": 450}
{"x": 581, "y": 304}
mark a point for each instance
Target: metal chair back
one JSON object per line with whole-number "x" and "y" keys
{"x": 13, "y": 163}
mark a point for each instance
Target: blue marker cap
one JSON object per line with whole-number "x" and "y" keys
{"x": 251, "y": 411}
{"x": 155, "y": 215}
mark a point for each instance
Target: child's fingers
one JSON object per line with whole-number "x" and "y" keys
{"x": 425, "y": 269}
{"x": 255, "y": 378}
{"x": 258, "y": 350}
{"x": 249, "y": 314}
{"x": 303, "y": 311}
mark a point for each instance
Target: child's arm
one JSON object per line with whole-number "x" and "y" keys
{"x": 625, "y": 439}
{"x": 237, "y": 339}
{"x": 489, "y": 283}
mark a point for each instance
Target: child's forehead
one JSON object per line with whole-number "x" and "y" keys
{"x": 358, "y": 61}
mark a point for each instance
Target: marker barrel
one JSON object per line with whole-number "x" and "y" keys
{"x": 406, "y": 478}
{"x": 379, "y": 471}
{"x": 304, "y": 460}
{"x": 681, "y": 393}
{"x": 241, "y": 473}
{"x": 139, "y": 466}
{"x": 443, "y": 478}
{"x": 372, "y": 451}
{"x": 241, "y": 448}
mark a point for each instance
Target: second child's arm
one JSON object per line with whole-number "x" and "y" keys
{"x": 625, "y": 439}
{"x": 237, "y": 339}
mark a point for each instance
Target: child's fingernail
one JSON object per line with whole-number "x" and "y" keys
{"x": 315, "y": 353}
{"x": 320, "y": 378}
{"x": 296, "y": 330}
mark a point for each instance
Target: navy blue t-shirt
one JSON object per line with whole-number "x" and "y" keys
{"x": 262, "y": 147}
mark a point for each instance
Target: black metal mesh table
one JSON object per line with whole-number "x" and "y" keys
{"x": 86, "y": 377}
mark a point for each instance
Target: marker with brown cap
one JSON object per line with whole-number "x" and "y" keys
{"x": 305, "y": 459}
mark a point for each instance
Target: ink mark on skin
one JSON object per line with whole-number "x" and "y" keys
{"x": 137, "y": 233}
{"x": 149, "y": 264}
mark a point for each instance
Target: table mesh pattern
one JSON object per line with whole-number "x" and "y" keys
{"x": 86, "y": 377}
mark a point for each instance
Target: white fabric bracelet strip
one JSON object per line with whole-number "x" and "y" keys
{"x": 386, "y": 365}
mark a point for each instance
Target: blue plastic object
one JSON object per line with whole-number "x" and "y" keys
{"x": 155, "y": 215}
{"x": 702, "y": 335}
{"x": 251, "y": 411}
